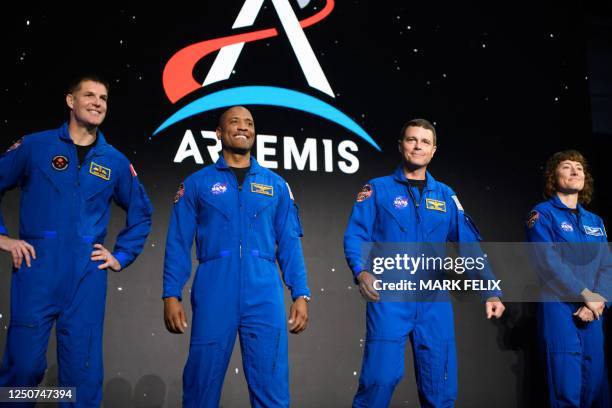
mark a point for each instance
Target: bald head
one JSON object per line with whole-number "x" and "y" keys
{"x": 233, "y": 111}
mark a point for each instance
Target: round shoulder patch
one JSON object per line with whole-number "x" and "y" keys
{"x": 15, "y": 145}
{"x": 532, "y": 218}
{"x": 180, "y": 193}
{"x": 364, "y": 193}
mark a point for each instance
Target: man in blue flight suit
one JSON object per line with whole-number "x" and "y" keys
{"x": 573, "y": 261}
{"x": 408, "y": 206}
{"x": 243, "y": 219}
{"x": 68, "y": 178}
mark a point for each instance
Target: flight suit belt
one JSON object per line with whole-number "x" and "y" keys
{"x": 226, "y": 253}
{"x": 54, "y": 234}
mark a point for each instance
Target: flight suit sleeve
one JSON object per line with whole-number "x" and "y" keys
{"x": 360, "y": 229}
{"x": 548, "y": 262}
{"x": 289, "y": 246}
{"x": 130, "y": 195}
{"x": 603, "y": 286}
{"x": 463, "y": 230}
{"x": 181, "y": 233}
{"x": 13, "y": 171}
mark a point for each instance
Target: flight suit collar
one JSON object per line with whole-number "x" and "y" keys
{"x": 401, "y": 178}
{"x": 100, "y": 143}
{"x": 556, "y": 202}
{"x": 221, "y": 164}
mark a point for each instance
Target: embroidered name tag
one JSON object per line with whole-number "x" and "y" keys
{"x": 594, "y": 231}
{"x": 262, "y": 189}
{"x": 99, "y": 171}
{"x": 436, "y": 205}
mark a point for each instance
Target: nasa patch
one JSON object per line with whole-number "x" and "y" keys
{"x": 567, "y": 227}
{"x": 218, "y": 188}
{"x": 400, "y": 202}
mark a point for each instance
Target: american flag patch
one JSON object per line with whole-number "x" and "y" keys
{"x": 134, "y": 174}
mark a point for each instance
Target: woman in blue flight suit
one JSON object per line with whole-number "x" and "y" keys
{"x": 573, "y": 262}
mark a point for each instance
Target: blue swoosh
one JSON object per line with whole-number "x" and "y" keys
{"x": 267, "y": 95}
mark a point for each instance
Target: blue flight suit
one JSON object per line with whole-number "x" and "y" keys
{"x": 573, "y": 261}
{"x": 64, "y": 211}
{"x": 239, "y": 234}
{"x": 389, "y": 210}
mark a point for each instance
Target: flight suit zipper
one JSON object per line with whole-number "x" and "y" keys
{"x": 240, "y": 210}
{"x": 415, "y": 203}
{"x": 576, "y": 221}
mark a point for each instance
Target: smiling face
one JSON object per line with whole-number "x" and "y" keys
{"x": 88, "y": 104}
{"x": 569, "y": 177}
{"x": 236, "y": 130}
{"x": 417, "y": 147}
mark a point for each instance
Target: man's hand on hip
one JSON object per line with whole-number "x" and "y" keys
{"x": 19, "y": 250}
{"x": 104, "y": 255}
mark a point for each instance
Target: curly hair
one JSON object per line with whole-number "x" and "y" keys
{"x": 550, "y": 175}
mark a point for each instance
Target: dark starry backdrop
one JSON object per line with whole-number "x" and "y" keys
{"x": 506, "y": 84}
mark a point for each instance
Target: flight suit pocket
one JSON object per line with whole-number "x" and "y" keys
{"x": 563, "y": 366}
{"x": 435, "y": 365}
{"x": 472, "y": 225}
{"x": 299, "y": 230}
{"x": 263, "y": 255}
{"x": 23, "y": 321}
{"x": 101, "y": 191}
{"x": 261, "y": 355}
{"x": 97, "y": 197}
{"x": 438, "y": 224}
{"x": 92, "y": 291}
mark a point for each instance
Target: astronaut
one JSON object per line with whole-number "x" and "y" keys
{"x": 409, "y": 206}
{"x": 572, "y": 258}
{"x": 244, "y": 219}
{"x": 68, "y": 178}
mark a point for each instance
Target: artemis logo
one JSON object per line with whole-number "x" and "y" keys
{"x": 178, "y": 80}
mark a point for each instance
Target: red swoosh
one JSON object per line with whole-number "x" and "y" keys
{"x": 178, "y": 78}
